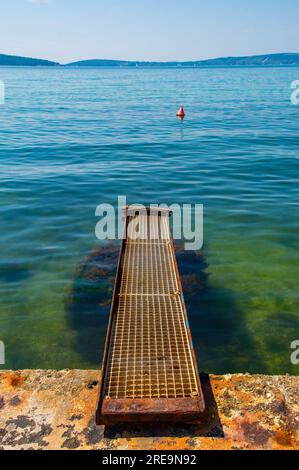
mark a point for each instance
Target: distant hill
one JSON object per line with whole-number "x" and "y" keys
{"x": 265, "y": 60}
{"x": 24, "y": 61}
{"x": 119, "y": 63}
{"x": 250, "y": 61}
{"x": 260, "y": 60}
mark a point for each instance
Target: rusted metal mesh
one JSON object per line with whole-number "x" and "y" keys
{"x": 149, "y": 353}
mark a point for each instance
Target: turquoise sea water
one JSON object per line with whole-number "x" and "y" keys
{"x": 71, "y": 139}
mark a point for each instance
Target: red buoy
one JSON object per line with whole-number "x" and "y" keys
{"x": 181, "y": 113}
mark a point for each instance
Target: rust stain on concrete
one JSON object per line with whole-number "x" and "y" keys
{"x": 56, "y": 410}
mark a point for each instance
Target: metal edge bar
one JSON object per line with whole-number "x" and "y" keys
{"x": 195, "y": 365}
{"x": 149, "y": 410}
{"x": 110, "y": 322}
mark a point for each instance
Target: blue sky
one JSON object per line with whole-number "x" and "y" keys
{"x": 66, "y": 30}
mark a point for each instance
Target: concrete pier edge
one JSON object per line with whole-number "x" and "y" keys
{"x": 42, "y": 409}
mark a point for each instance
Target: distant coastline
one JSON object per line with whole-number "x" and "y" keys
{"x": 265, "y": 60}
{"x": 18, "y": 61}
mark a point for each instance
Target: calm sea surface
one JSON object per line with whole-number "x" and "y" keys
{"x": 71, "y": 139}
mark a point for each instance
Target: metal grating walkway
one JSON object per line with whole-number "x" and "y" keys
{"x": 149, "y": 350}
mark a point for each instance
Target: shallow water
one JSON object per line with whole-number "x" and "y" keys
{"x": 71, "y": 139}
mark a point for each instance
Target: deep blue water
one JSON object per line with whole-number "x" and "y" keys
{"x": 71, "y": 139}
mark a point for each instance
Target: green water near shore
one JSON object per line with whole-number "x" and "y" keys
{"x": 72, "y": 139}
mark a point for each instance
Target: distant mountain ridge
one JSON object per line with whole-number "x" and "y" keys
{"x": 264, "y": 60}
{"x": 257, "y": 60}
{"x": 12, "y": 60}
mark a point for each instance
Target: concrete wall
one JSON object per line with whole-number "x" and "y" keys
{"x": 55, "y": 410}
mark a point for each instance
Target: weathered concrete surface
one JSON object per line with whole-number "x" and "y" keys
{"x": 55, "y": 410}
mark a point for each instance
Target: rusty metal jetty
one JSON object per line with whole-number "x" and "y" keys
{"x": 149, "y": 369}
